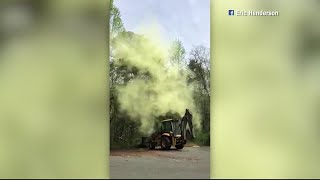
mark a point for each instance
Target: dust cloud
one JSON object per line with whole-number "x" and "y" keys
{"x": 160, "y": 86}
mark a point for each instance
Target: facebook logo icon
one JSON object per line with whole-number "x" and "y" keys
{"x": 231, "y": 12}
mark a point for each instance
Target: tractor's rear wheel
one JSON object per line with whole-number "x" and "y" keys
{"x": 179, "y": 146}
{"x": 165, "y": 143}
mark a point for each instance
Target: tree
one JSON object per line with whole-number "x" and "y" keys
{"x": 199, "y": 64}
{"x": 116, "y": 24}
{"x": 177, "y": 53}
{"x": 117, "y": 76}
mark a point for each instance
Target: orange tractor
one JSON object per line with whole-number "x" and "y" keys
{"x": 173, "y": 132}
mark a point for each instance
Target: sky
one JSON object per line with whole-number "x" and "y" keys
{"x": 186, "y": 20}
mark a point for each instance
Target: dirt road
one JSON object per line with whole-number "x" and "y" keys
{"x": 190, "y": 162}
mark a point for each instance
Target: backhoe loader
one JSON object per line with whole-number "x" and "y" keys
{"x": 173, "y": 132}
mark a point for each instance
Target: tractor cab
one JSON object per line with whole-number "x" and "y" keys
{"x": 166, "y": 125}
{"x": 170, "y": 126}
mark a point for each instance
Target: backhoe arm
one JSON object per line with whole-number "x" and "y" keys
{"x": 186, "y": 124}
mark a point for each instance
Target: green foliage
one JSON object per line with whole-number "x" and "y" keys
{"x": 199, "y": 64}
{"x": 177, "y": 53}
{"x": 116, "y": 24}
{"x": 203, "y": 138}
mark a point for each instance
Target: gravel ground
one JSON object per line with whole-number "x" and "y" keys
{"x": 190, "y": 162}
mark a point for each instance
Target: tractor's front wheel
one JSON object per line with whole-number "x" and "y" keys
{"x": 152, "y": 145}
{"x": 165, "y": 143}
